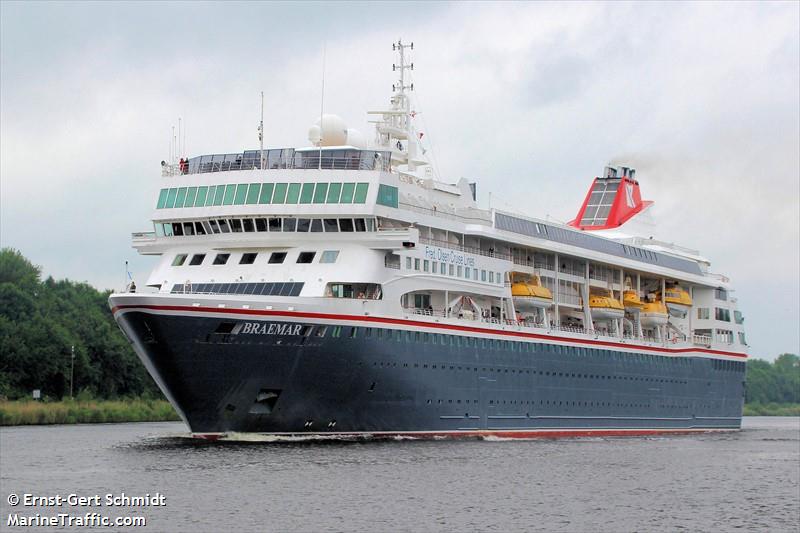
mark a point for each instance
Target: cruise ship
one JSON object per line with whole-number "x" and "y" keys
{"x": 344, "y": 289}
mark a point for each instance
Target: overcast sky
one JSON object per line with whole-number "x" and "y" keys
{"x": 531, "y": 100}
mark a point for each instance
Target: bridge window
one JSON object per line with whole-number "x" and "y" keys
{"x": 181, "y": 197}
{"x": 346, "y": 225}
{"x": 365, "y": 291}
{"x": 293, "y": 193}
{"x": 221, "y": 259}
{"x": 334, "y": 192}
{"x": 179, "y": 260}
{"x": 307, "y": 193}
{"x": 265, "y": 196}
{"x": 252, "y": 193}
{"x": 275, "y": 224}
{"x": 320, "y": 193}
{"x": 331, "y": 225}
{"x": 230, "y": 194}
{"x": 197, "y": 259}
{"x": 303, "y": 225}
{"x": 202, "y": 196}
{"x": 280, "y": 193}
{"x": 347, "y": 193}
{"x": 361, "y": 193}
{"x": 387, "y": 195}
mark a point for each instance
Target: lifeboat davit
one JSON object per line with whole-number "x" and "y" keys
{"x": 604, "y": 306}
{"x": 677, "y": 300}
{"x": 529, "y": 295}
{"x": 653, "y": 314}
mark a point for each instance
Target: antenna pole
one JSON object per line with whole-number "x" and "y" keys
{"x": 322, "y": 102}
{"x": 180, "y": 153}
{"x": 261, "y": 134}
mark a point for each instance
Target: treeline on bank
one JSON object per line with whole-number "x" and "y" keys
{"x": 41, "y": 320}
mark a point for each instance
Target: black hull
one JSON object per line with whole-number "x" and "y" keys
{"x": 276, "y": 375}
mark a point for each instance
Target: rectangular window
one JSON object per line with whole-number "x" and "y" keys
{"x": 330, "y": 225}
{"x": 475, "y": 274}
{"x": 738, "y": 317}
{"x": 720, "y": 294}
{"x": 346, "y": 225}
{"x": 459, "y": 271}
{"x": 214, "y": 226}
{"x": 202, "y": 196}
{"x": 451, "y": 270}
{"x": 434, "y": 267}
{"x": 289, "y": 224}
{"x": 703, "y": 313}
{"x": 416, "y": 264}
{"x": 275, "y": 224}
{"x": 316, "y": 225}
{"x": 306, "y": 257}
{"x": 236, "y": 225}
{"x": 360, "y": 224}
{"x": 265, "y": 196}
{"x": 408, "y": 263}
{"x": 179, "y": 260}
{"x": 303, "y": 225}
{"x": 277, "y": 258}
{"x": 320, "y": 193}
{"x": 252, "y": 193}
{"x": 241, "y": 194}
{"x": 219, "y": 195}
{"x": 294, "y": 193}
{"x": 467, "y": 272}
{"x": 181, "y": 197}
{"x": 742, "y": 339}
{"x": 261, "y": 224}
{"x": 334, "y": 191}
{"x": 723, "y": 315}
{"x": 280, "y": 193}
{"x": 248, "y": 259}
{"x": 329, "y": 256}
{"x": 491, "y": 277}
{"x": 483, "y": 275}
{"x": 191, "y": 192}
{"x": 171, "y": 198}
{"x": 247, "y": 225}
{"x": 230, "y": 194}
{"x": 210, "y": 198}
{"x": 361, "y": 193}
{"x": 307, "y": 194}
{"x": 443, "y": 268}
{"x": 347, "y": 193}
{"x": 197, "y": 259}
{"x": 162, "y": 198}
{"x": 221, "y": 259}
{"x": 387, "y": 195}
{"x": 425, "y": 265}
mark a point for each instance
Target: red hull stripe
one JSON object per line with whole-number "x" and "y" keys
{"x": 517, "y": 434}
{"x": 417, "y": 323}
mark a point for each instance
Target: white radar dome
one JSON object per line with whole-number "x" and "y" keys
{"x": 334, "y": 131}
{"x": 355, "y": 138}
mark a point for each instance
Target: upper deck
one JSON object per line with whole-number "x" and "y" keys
{"x": 336, "y": 158}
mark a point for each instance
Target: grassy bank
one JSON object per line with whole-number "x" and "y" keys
{"x": 13, "y": 413}
{"x": 772, "y": 409}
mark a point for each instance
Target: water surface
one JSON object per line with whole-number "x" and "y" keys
{"x": 703, "y": 482}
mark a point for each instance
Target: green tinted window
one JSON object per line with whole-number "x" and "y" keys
{"x": 181, "y": 197}
{"x": 266, "y": 193}
{"x": 320, "y": 192}
{"x": 202, "y": 194}
{"x": 230, "y": 192}
{"x": 219, "y": 194}
{"x": 162, "y": 198}
{"x": 241, "y": 194}
{"x": 334, "y": 191}
{"x": 210, "y": 199}
{"x": 347, "y": 193}
{"x": 191, "y": 192}
{"x": 387, "y": 195}
{"x": 171, "y": 198}
{"x": 307, "y": 194}
{"x": 280, "y": 193}
{"x": 252, "y": 193}
{"x": 361, "y": 193}
{"x": 293, "y": 194}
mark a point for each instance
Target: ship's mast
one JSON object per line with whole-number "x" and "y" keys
{"x": 395, "y": 129}
{"x": 261, "y": 134}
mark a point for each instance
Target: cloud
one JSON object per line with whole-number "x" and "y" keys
{"x": 528, "y": 99}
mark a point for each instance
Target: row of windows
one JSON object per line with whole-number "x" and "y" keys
{"x": 556, "y": 403}
{"x": 639, "y": 252}
{"x": 449, "y": 269}
{"x": 263, "y": 193}
{"x": 250, "y": 225}
{"x": 721, "y": 364}
{"x": 275, "y": 258}
{"x": 263, "y": 289}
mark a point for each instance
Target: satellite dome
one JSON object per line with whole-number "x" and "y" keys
{"x": 334, "y": 131}
{"x": 355, "y": 138}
